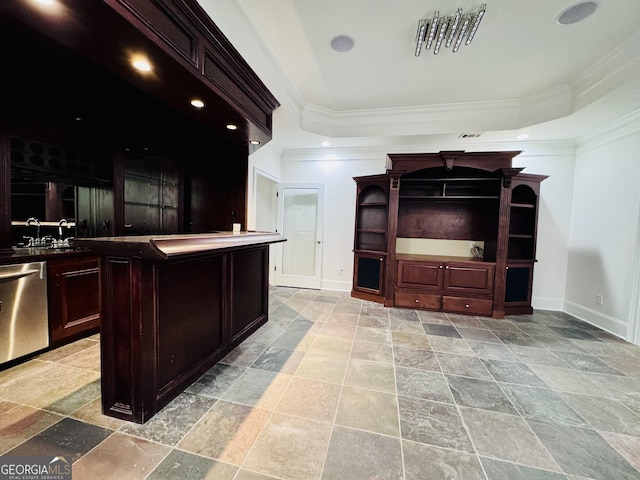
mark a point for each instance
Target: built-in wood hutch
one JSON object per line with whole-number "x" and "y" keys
{"x": 452, "y": 231}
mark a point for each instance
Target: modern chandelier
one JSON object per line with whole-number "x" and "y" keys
{"x": 449, "y": 30}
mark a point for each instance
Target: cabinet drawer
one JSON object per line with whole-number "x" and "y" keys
{"x": 467, "y": 305}
{"x": 417, "y": 300}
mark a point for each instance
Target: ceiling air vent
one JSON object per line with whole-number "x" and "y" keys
{"x": 469, "y": 135}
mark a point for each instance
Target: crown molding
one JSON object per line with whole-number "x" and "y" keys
{"x": 529, "y": 149}
{"x": 614, "y": 69}
{"x": 541, "y": 106}
{"x": 256, "y": 47}
{"x": 619, "y": 128}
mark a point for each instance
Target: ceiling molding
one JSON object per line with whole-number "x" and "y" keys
{"x": 623, "y": 126}
{"x": 539, "y": 107}
{"x": 250, "y": 39}
{"x": 614, "y": 69}
{"x": 529, "y": 149}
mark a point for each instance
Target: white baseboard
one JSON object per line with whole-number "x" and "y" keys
{"x": 336, "y": 285}
{"x": 610, "y": 324}
{"x": 547, "y": 303}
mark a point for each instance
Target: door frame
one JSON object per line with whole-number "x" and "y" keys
{"x": 314, "y": 282}
{"x": 273, "y": 253}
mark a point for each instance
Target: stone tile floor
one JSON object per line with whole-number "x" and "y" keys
{"x": 336, "y": 388}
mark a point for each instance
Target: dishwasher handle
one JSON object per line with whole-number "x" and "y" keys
{"x": 17, "y": 275}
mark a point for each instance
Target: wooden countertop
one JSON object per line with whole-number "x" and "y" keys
{"x": 439, "y": 258}
{"x": 164, "y": 247}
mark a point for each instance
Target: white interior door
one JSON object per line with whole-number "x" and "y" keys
{"x": 300, "y": 222}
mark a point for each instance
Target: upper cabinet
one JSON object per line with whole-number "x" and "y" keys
{"x": 451, "y": 231}
{"x": 188, "y": 57}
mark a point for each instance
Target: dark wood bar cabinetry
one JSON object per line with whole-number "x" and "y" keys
{"x": 172, "y": 307}
{"x": 451, "y": 231}
{"x": 88, "y": 137}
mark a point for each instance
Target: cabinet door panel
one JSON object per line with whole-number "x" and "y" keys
{"x": 141, "y": 192}
{"x": 248, "y": 310}
{"x": 426, "y": 275}
{"x": 74, "y": 298}
{"x": 369, "y": 273}
{"x": 518, "y": 284}
{"x": 190, "y": 315}
{"x": 468, "y": 278}
{"x": 142, "y": 218}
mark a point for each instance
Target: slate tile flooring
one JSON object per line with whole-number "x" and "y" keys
{"x": 334, "y": 388}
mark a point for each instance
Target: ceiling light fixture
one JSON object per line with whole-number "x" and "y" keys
{"x": 459, "y": 26}
{"x": 141, "y": 64}
{"x": 254, "y": 142}
{"x": 197, "y": 103}
{"x": 231, "y": 126}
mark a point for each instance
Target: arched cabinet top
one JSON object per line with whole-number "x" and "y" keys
{"x": 399, "y": 164}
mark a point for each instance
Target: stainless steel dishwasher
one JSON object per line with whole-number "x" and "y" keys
{"x": 24, "y": 325}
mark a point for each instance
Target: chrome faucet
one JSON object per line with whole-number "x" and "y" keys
{"x": 34, "y": 221}
{"x": 61, "y": 223}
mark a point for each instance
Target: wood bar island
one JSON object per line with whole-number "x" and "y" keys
{"x": 173, "y": 306}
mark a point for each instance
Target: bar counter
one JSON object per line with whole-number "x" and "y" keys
{"x": 172, "y": 307}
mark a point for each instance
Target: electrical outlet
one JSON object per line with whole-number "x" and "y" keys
{"x": 599, "y": 299}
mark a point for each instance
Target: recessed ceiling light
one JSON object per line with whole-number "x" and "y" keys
{"x": 196, "y": 102}
{"x": 254, "y": 142}
{"x": 49, "y": 6}
{"x": 231, "y": 126}
{"x": 326, "y": 143}
{"x": 141, "y": 64}
{"x": 523, "y": 136}
{"x": 342, "y": 43}
{"x": 577, "y": 13}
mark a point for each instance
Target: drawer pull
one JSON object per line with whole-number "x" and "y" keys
{"x": 417, "y": 301}
{"x": 466, "y": 305}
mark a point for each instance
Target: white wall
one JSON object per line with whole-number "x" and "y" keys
{"x": 339, "y": 208}
{"x": 603, "y": 246}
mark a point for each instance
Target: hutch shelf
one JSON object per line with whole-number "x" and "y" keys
{"x": 451, "y": 231}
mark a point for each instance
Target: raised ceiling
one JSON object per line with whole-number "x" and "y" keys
{"x": 522, "y": 71}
